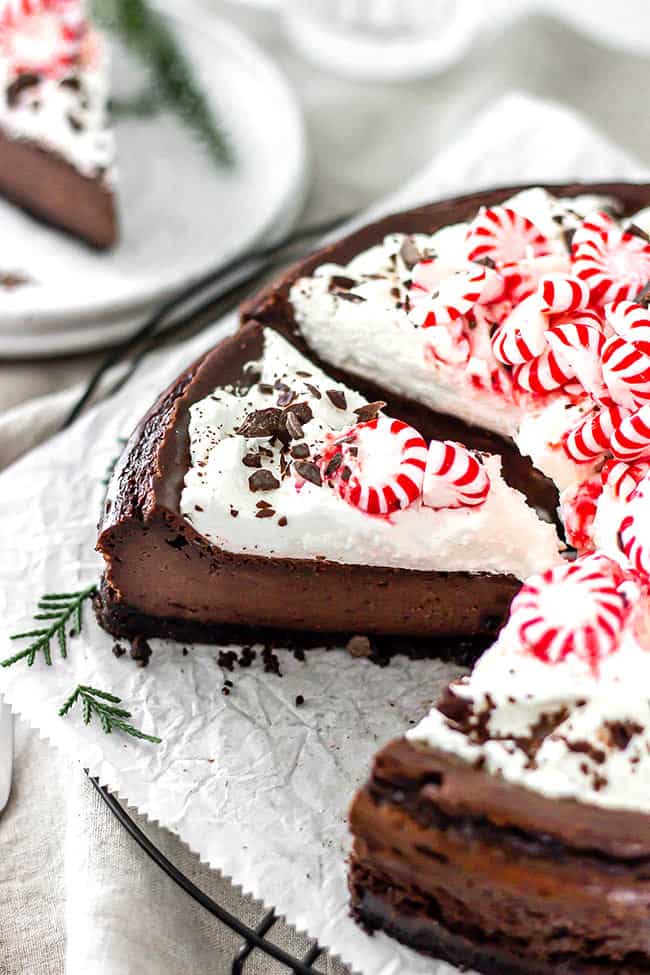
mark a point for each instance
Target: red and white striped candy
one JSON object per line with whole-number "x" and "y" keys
{"x": 592, "y": 436}
{"x": 521, "y": 278}
{"x": 626, "y": 372}
{"x": 632, "y": 322}
{"x": 631, "y": 439}
{"x": 453, "y": 478}
{"x": 382, "y": 465}
{"x": 613, "y": 263}
{"x": 42, "y": 36}
{"x": 573, "y": 609}
{"x": 448, "y": 345}
{"x": 562, "y": 293}
{"x": 578, "y": 507}
{"x": 635, "y": 548}
{"x": 503, "y": 235}
{"x": 521, "y": 336}
{"x": 439, "y": 296}
{"x": 578, "y": 344}
{"x": 622, "y": 479}
{"x": 634, "y": 531}
{"x": 544, "y": 374}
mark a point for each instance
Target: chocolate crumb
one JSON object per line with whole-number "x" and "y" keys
{"x": 282, "y": 521}
{"x": 302, "y": 412}
{"x": 486, "y": 261}
{"x": 337, "y": 398}
{"x": 314, "y": 390}
{"x": 300, "y": 451}
{"x": 309, "y": 471}
{"x": 369, "y": 411}
{"x": 350, "y": 296}
{"x": 359, "y": 646}
{"x": 140, "y": 651}
{"x": 118, "y": 650}
{"x": 227, "y": 659}
{"x": 251, "y": 460}
{"x": 286, "y": 396}
{"x": 12, "y": 279}
{"x": 234, "y": 512}
{"x": 340, "y": 282}
{"x": 185, "y": 651}
{"x": 620, "y": 733}
{"x": 643, "y": 296}
{"x": 228, "y": 683}
{"x": 568, "y": 234}
{"x": 334, "y": 464}
{"x": 265, "y": 388}
{"x": 261, "y": 423}
{"x": 637, "y": 231}
{"x": 20, "y": 84}
{"x": 292, "y": 424}
{"x": 271, "y": 662}
{"x": 303, "y": 374}
{"x": 246, "y": 657}
{"x": 225, "y": 691}
{"x": 75, "y": 124}
{"x": 299, "y": 700}
{"x": 265, "y": 513}
{"x": 409, "y": 253}
{"x": 263, "y": 504}
{"x": 346, "y": 473}
{"x": 263, "y": 480}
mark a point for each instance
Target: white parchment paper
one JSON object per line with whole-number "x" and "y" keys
{"x": 256, "y": 785}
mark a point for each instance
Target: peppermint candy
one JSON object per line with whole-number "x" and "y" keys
{"x": 42, "y": 36}
{"x": 592, "y": 436}
{"x": 453, "y": 478}
{"x": 613, "y": 263}
{"x": 521, "y": 336}
{"x": 578, "y": 508}
{"x": 562, "y": 293}
{"x": 631, "y": 439}
{"x": 577, "y": 342}
{"x": 633, "y": 533}
{"x": 376, "y": 466}
{"x": 544, "y": 374}
{"x": 626, "y": 372}
{"x": 632, "y": 322}
{"x": 574, "y": 609}
{"x": 623, "y": 479}
{"x": 503, "y": 235}
{"x": 522, "y": 278}
{"x": 440, "y": 295}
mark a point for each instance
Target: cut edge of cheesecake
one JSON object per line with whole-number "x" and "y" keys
{"x": 163, "y": 578}
{"x": 441, "y": 852}
{"x": 55, "y": 192}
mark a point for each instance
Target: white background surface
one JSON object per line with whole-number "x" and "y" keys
{"x": 66, "y": 870}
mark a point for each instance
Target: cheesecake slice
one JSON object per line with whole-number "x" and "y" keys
{"x": 259, "y": 498}
{"x": 57, "y": 155}
{"x": 509, "y": 832}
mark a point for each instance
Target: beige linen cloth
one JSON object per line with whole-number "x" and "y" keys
{"x": 76, "y": 894}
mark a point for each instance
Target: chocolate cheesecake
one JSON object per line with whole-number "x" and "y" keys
{"x": 56, "y": 145}
{"x": 509, "y": 831}
{"x": 213, "y": 522}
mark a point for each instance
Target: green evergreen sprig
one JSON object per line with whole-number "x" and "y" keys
{"x": 105, "y": 707}
{"x": 147, "y": 34}
{"x": 58, "y": 607}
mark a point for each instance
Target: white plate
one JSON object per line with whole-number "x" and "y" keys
{"x": 181, "y": 215}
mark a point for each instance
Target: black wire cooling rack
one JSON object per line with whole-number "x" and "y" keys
{"x": 199, "y": 305}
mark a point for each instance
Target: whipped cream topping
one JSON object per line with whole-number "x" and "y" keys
{"x": 563, "y": 729}
{"x": 247, "y": 495}
{"x": 66, "y": 115}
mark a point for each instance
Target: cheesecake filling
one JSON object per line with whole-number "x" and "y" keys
{"x": 54, "y": 87}
{"x": 267, "y": 477}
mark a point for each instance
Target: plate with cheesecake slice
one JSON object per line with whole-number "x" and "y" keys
{"x": 426, "y": 444}
{"x": 109, "y": 213}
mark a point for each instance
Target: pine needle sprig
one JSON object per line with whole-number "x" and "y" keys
{"x": 145, "y": 32}
{"x": 59, "y": 607}
{"x": 105, "y": 707}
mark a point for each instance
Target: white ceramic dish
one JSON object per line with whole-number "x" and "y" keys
{"x": 181, "y": 215}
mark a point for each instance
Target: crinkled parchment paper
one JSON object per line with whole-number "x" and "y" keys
{"x": 257, "y": 786}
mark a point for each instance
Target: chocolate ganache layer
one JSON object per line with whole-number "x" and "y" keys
{"x": 163, "y": 577}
